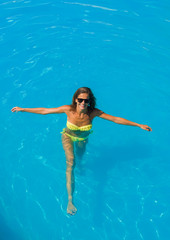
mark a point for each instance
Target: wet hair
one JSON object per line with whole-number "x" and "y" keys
{"x": 92, "y": 102}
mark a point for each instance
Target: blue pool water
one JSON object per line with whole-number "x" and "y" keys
{"x": 120, "y": 49}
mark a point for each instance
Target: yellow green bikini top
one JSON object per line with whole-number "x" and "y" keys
{"x": 74, "y": 127}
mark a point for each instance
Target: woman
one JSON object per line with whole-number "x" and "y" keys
{"x": 80, "y": 115}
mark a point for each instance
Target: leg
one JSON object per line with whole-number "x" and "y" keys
{"x": 70, "y": 164}
{"x": 80, "y": 148}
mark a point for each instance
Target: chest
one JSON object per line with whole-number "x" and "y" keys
{"x": 79, "y": 120}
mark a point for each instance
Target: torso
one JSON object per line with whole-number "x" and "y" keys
{"x": 79, "y": 120}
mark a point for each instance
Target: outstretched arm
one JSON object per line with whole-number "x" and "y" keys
{"x": 43, "y": 111}
{"x": 120, "y": 120}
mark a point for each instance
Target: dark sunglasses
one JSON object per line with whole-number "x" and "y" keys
{"x": 80, "y": 100}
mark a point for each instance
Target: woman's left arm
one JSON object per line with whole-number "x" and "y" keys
{"x": 120, "y": 120}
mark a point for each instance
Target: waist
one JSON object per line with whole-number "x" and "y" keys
{"x": 76, "y": 135}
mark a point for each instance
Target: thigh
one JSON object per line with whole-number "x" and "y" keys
{"x": 68, "y": 146}
{"x": 81, "y": 147}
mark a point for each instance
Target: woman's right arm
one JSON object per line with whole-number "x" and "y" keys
{"x": 43, "y": 111}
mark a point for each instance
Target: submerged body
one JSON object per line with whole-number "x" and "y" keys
{"x": 80, "y": 115}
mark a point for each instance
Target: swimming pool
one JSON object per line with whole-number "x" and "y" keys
{"x": 121, "y": 51}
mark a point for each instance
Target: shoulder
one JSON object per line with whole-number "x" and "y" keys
{"x": 62, "y": 109}
{"x": 96, "y": 113}
{"x": 66, "y": 108}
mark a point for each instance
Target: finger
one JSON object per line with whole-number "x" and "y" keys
{"x": 14, "y": 109}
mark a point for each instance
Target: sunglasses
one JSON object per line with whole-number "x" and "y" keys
{"x": 80, "y": 100}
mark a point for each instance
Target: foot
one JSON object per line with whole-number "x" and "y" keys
{"x": 71, "y": 209}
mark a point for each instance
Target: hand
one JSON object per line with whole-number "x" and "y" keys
{"x": 145, "y": 127}
{"x": 16, "y": 109}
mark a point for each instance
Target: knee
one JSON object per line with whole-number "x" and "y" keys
{"x": 70, "y": 164}
{"x": 80, "y": 152}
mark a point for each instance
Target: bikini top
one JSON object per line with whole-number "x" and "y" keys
{"x": 74, "y": 127}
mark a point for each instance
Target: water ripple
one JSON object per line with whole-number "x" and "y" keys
{"x": 93, "y": 6}
{"x": 12, "y": 4}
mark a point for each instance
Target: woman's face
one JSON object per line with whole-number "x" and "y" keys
{"x": 82, "y": 101}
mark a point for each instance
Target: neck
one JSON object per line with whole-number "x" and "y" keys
{"x": 80, "y": 111}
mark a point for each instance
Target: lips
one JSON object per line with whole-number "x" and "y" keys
{"x": 82, "y": 106}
